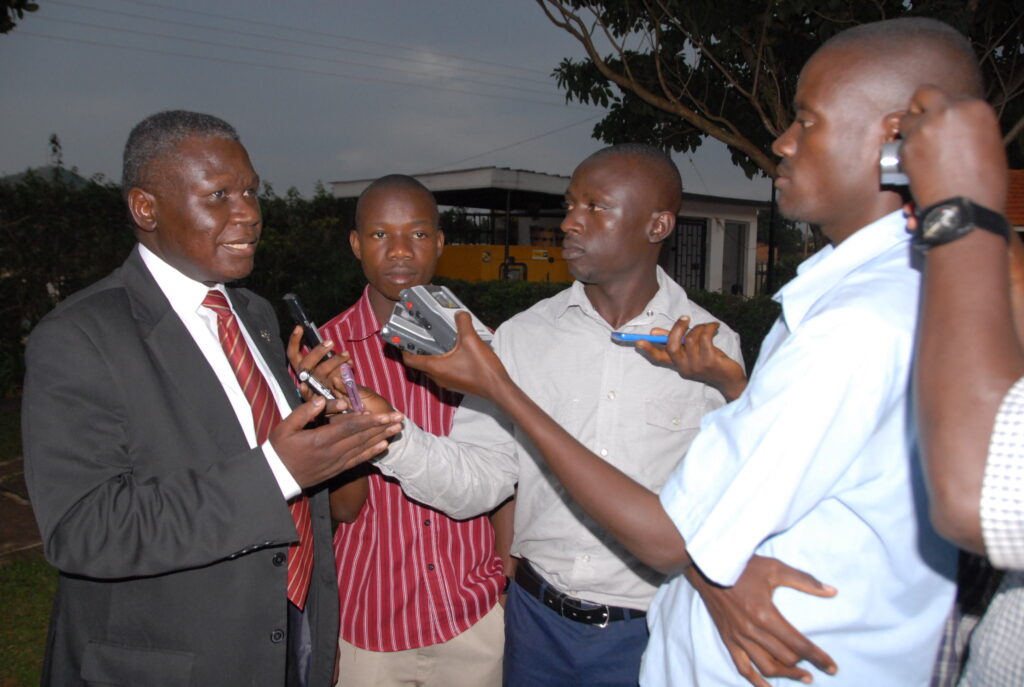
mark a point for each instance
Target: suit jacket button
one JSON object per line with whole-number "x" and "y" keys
{"x": 277, "y": 636}
{"x": 279, "y": 559}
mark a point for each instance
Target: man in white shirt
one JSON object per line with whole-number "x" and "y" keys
{"x": 814, "y": 463}
{"x": 176, "y": 489}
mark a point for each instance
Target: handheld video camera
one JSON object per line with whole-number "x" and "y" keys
{"x": 423, "y": 321}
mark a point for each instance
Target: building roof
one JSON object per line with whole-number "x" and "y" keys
{"x": 1015, "y": 199}
{"x": 502, "y": 188}
{"x": 491, "y": 188}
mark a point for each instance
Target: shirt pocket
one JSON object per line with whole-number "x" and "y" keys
{"x": 674, "y": 414}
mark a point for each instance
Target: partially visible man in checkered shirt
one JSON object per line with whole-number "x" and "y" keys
{"x": 970, "y": 371}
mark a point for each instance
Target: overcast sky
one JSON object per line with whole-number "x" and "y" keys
{"x": 318, "y": 89}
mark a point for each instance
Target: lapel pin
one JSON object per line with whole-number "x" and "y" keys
{"x": 265, "y": 335}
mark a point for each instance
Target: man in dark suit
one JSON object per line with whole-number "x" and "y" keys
{"x": 162, "y": 487}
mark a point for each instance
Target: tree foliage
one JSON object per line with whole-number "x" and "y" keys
{"x": 673, "y": 72}
{"x": 304, "y": 249}
{"x": 14, "y": 9}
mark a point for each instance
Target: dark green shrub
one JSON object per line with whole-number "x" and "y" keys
{"x": 58, "y": 234}
{"x": 751, "y": 318}
{"x": 496, "y": 301}
{"x": 304, "y": 249}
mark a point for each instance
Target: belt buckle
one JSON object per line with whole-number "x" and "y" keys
{"x": 580, "y": 612}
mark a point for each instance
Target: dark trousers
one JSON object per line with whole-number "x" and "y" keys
{"x": 300, "y": 649}
{"x": 544, "y": 649}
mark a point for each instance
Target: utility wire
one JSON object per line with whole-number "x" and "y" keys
{"x": 221, "y": 30}
{"x": 267, "y": 51}
{"x": 404, "y": 84}
{"x": 512, "y": 145}
{"x": 696, "y": 170}
{"x": 389, "y": 46}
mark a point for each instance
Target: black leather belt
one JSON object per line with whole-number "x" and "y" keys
{"x": 567, "y": 606}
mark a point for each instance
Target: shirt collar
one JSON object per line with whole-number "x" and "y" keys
{"x": 362, "y": 323}
{"x": 830, "y": 266}
{"x": 659, "y": 312}
{"x": 184, "y": 293}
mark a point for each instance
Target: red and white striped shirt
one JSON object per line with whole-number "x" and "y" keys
{"x": 408, "y": 576}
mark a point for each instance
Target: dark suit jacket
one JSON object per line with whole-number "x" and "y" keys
{"x": 169, "y": 532}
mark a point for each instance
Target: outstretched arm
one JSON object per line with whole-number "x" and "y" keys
{"x": 749, "y": 623}
{"x": 969, "y": 353}
{"x": 602, "y": 490}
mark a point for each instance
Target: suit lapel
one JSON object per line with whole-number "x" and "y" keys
{"x": 175, "y": 352}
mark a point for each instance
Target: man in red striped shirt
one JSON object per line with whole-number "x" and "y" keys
{"x": 418, "y": 591}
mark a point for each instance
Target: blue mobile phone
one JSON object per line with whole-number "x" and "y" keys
{"x": 627, "y": 337}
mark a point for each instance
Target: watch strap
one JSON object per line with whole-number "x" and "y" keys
{"x": 971, "y": 216}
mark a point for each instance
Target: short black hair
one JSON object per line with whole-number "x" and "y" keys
{"x": 157, "y": 135}
{"x": 662, "y": 163}
{"x": 394, "y": 181}
{"x": 901, "y": 33}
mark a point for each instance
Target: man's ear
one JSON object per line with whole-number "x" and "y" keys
{"x": 142, "y": 206}
{"x": 891, "y": 123}
{"x": 353, "y": 240}
{"x": 661, "y": 227}
{"x": 440, "y": 241}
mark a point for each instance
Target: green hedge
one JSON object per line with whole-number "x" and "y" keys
{"x": 496, "y": 301}
{"x": 57, "y": 237}
{"x": 751, "y": 318}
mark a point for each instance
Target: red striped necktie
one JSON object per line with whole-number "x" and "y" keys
{"x": 265, "y": 416}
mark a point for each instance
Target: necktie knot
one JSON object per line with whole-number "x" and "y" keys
{"x": 217, "y": 301}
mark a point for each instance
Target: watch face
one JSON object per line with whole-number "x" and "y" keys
{"x": 940, "y": 221}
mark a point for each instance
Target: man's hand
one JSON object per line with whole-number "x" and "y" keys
{"x": 697, "y": 357}
{"x": 755, "y": 633}
{"x": 373, "y": 402}
{"x": 953, "y": 147}
{"x": 470, "y": 367}
{"x": 314, "y": 455}
{"x": 327, "y": 371}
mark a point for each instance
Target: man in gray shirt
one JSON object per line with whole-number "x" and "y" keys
{"x": 576, "y": 612}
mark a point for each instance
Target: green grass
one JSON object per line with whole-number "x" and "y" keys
{"x": 28, "y": 583}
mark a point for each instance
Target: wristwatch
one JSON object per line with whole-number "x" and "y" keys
{"x": 955, "y": 218}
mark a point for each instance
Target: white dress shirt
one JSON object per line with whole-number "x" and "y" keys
{"x": 637, "y": 416}
{"x": 186, "y": 297}
{"x": 815, "y": 465}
